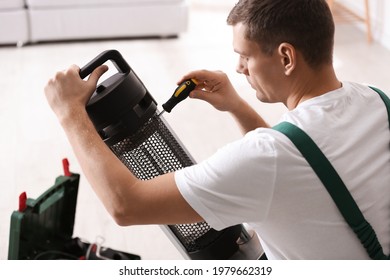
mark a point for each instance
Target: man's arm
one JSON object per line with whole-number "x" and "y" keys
{"x": 215, "y": 88}
{"x": 128, "y": 199}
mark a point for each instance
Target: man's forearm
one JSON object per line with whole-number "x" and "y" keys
{"x": 109, "y": 178}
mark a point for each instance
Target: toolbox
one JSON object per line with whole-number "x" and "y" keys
{"x": 42, "y": 228}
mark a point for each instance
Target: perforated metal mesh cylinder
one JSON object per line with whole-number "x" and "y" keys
{"x": 153, "y": 151}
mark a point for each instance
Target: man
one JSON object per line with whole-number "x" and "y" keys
{"x": 285, "y": 50}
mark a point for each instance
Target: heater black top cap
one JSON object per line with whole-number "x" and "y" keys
{"x": 122, "y": 99}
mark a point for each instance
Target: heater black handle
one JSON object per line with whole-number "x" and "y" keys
{"x": 113, "y": 55}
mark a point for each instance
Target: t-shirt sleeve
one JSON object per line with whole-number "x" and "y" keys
{"x": 235, "y": 185}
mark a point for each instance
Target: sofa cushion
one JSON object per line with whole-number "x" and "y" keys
{"x": 81, "y": 3}
{"x": 114, "y": 21}
{"x": 14, "y": 28}
{"x": 11, "y": 4}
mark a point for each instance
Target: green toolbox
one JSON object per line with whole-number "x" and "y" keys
{"x": 42, "y": 228}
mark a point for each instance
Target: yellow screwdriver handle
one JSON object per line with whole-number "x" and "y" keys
{"x": 180, "y": 93}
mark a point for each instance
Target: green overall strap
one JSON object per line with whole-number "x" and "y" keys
{"x": 335, "y": 186}
{"x": 385, "y": 99}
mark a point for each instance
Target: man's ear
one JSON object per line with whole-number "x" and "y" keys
{"x": 288, "y": 57}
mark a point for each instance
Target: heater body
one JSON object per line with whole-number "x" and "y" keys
{"x": 126, "y": 117}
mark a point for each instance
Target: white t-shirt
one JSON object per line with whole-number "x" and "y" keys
{"x": 263, "y": 180}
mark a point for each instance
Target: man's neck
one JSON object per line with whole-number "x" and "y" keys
{"x": 310, "y": 83}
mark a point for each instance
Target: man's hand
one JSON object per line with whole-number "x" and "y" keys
{"x": 215, "y": 88}
{"x": 67, "y": 93}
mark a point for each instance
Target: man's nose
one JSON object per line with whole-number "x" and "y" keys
{"x": 241, "y": 69}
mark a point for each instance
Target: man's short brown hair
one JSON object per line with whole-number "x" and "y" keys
{"x": 306, "y": 24}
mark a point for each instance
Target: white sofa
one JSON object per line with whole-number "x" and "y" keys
{"x": 57, "y": 20}
{"x": 13, "y": 22}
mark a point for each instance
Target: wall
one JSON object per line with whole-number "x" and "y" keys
{"x": 380, "y": 17}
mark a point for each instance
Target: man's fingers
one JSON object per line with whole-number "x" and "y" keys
{"x": 201, "y": 94}
{"x": 97, "y": 73}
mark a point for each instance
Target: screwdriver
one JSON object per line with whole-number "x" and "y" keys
{"x": 180, "y": 93}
